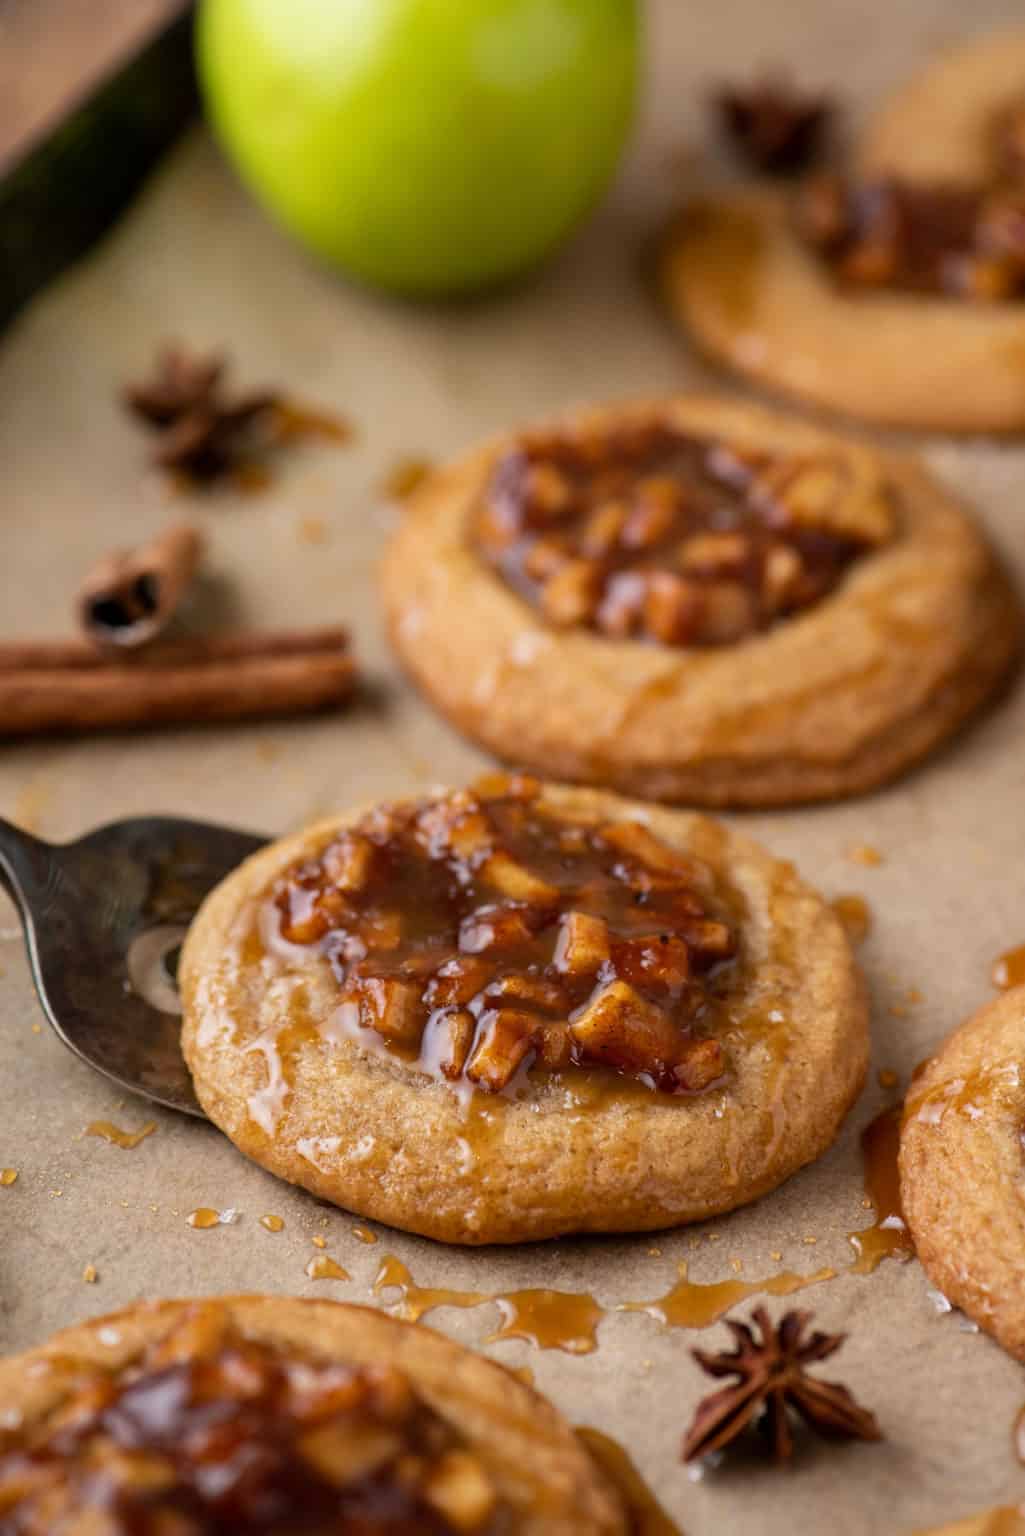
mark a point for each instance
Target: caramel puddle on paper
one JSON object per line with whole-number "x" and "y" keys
{"x": 645, "y": 1514}
{"x": 321, "y": 1267}
{"x": 1005, "y": 1521}
{"x": 272, "y": 1223}
{"x": 690, "y": 1305}
{"x": 293, "y": 420}
{"x": 855, "y": 914}
{"x": 547, "y": 1319}
{"x": 888, "y": 1236}
{"x": 118, "y": 1138}
{"x": 364, "y": 1235}
{"x": 404, "y": 477}
{"x": 204, "y": 1218}
{"x": 1009, "y": 969}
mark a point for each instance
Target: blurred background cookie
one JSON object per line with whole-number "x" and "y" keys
{"x": 699, "y": 601}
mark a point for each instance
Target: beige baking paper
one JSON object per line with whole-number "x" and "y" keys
{"x": 195, "y": 260}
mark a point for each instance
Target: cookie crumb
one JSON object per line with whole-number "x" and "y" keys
{"x": 90, "y": 1274}
{"x": 312, "y": 530}
{"x": 864, "y": 853}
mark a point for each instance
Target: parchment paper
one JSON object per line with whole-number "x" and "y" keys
{"x": 197, "y": 261}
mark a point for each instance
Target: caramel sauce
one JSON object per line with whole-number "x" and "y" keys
{"x": 1008, "y": 1520}
{"x": 645, "y": 1515}
{"x": 549, "y": 1320}
{"x": 405, "y": 477}
{"x": 204, "y": 1218}
{"x": 119, "y": 1138}
{"x": 322, "y": 1267}
{"x": 415, "y": 1301}
{"x": 646, "y": 531}
{"x": 733, "y": 244}
{"x": 888, "y": 1236}
{"x": 969, "y": 1096}
{"x": 249, "y": 478}
{"x": 1009, "y": 969}
{"x": 481, "y": 935}
{"x": 856, "y": 916}
{"x": 312, "y": 530}
{"x": 364, "y": 1235}
{"x": 546, "y": 1319}
{"x": 864, "y": 853}
{"x": 293, "y": 421}
{"x": 690, "y": 1305}
{"x": 8, "y": 1176}
{"x": 209, "y": 1430}
{"x": 272, "y": 1223}
{"x": 889, "y": 234}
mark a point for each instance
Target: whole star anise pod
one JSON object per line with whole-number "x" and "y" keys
{"x": 772, "y": 1381}
{"x": 776, "y": 128}
{"x": 201, "y": 431}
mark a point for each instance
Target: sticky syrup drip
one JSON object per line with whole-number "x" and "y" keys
{"x": 1009, "y": 969}
{"x": 322, "y": 1267}
{"x": 688, "y": 1304}
{"x": 127, "y": 1140}
{"x": 546, "y": 1319}
{"x": 888, "y": 1236}
{"x": 856, "y": 915}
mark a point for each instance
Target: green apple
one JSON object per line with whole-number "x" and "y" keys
{"x": 426, "y": 146}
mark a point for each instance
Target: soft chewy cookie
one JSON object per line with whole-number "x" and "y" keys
{"x": 523, "y": 1010}
{"x": 698, "y": 601}
{"x": 962, "y": 1169}
{"x": 895, "y": 293}
{"x": 270, "y": 1415}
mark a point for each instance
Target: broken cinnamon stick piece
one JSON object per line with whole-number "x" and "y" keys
{"x": 130, "y": 597}
{"x": 230, "y": 677}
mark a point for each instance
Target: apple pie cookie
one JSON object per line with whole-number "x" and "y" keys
{"x": 893, "y": 292}
{"x": 523, "y": 1010}
{"x": 962, "y": 1168}
{"x": 272, "y": 1415}
{"x": 698, "y": 601}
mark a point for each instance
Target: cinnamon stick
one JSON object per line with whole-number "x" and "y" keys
{"x": 218, "y": 645}
{"x": 69, "y": 687}
{"x": 130, "y": 597}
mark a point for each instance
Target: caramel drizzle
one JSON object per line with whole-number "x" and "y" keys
{"x": 689, "y": 1304}
{"x": 127, "y": 1140}
{"x": 1009, "y": 969}
{"x": 546, "y": 1319}
{"x": 855, "y": 915}
{"x": 888, "y": 1236}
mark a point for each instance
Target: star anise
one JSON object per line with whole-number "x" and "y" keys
{"x": 201, "y": 431}
{"x": 776, "y": 128}
{"x": 772, "y": 1381}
